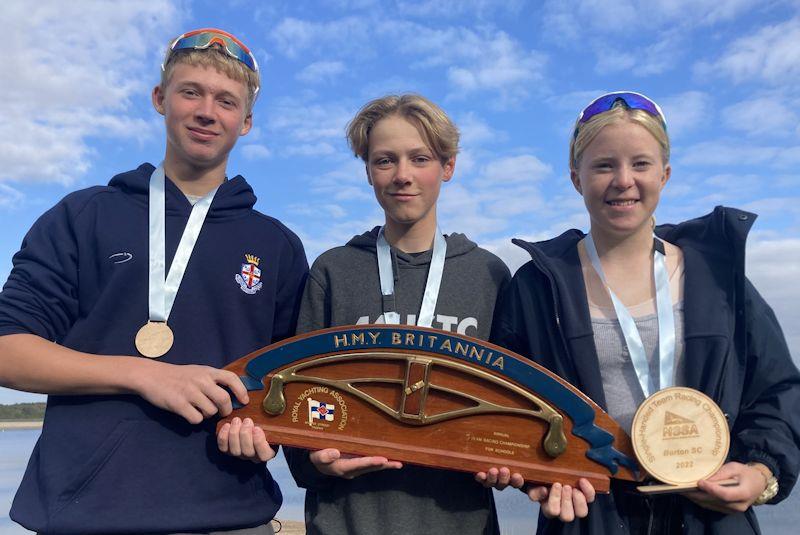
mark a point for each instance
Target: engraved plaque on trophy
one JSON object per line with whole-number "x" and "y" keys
{"x": 431, "y": 398}
{"x": 680, "y": 436}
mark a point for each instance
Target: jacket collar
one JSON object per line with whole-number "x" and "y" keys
{"x": 559, "y": 262}
{"x": 713, "y": 248}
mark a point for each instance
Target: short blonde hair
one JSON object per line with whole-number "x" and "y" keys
{"x": 213, "y": 57}
{"x": 619, "y": 112}
{"x": 434, "y": 126}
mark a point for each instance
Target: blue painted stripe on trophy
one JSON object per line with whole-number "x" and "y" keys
{"x": 251, "y": 383}
{"x": 577, "y": 409}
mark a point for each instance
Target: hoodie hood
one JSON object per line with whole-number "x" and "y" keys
{"x": 457, "y": 245}
{"x": 234, "y": 198}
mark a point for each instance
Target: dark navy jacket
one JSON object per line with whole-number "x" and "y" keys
{"x": 114, "y": 464}
{"x": 735, "y": 352}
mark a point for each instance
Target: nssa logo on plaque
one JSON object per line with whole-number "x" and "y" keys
{"x": 680, "y": 436}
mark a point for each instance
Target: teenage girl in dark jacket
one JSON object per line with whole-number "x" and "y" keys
{"x": 726, "y": 341}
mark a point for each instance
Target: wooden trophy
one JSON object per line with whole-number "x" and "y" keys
{"x": 680, "y": 436}
{"x": 431, "y": 398}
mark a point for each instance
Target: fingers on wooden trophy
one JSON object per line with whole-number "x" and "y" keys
{"x": 432, "y": 398}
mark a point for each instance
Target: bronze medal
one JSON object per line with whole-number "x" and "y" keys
{"x": 154, "y": 339}
{"x": 680, "y": 436}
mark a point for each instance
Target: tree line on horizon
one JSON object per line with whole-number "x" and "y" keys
{"x": 23, "y": 411}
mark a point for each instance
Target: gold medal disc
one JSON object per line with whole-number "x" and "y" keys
{"x": 154, "y": 339}
{"x": 680, "y": 436}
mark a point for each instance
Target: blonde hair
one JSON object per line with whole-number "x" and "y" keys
{"x": 619, "y": 112}
{"x": 434, "y": 126}
{"x": 213, "y": 57}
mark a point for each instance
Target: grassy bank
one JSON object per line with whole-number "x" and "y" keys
{"x": 28, "y": 412}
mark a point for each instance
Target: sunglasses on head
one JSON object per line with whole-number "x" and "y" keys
{"x": 206, "y": 37}
{"x": 629, "y": 99}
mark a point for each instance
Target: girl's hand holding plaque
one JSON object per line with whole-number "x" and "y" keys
{"x": 680, "y": 437}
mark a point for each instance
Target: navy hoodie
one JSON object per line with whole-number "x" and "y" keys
{"x": 115, "y": 463}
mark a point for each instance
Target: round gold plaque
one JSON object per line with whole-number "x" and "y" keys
{"x": 154, "y": 339}
{"x": 680, "y": 436}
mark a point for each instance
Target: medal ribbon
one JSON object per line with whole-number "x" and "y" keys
{"x": 434, "y": 281}
{"x": 666, "y": 320}
{"x": 162, "y": 291}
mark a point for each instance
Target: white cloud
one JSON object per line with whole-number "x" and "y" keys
{"x": 484, "y": 60}
{"x": 353, "y": 4}
{"x": 335, "y": 234}
{"x": 34, "y": 151}
{"x": 771, "y": 55}
{"x": 510, "y": 202}
{"x": 734, "y": 187}
{"x": 455, "y": 8}
{"x": 758, "y": 193}
{"x": 347, "y": 182}
{"x": 686, "y": 111}
{"x": 476, "y": 60}
{"x": 643, "y": 37}
{"x": 489, "y": 201}
{"x": 9, "y": 197}
{"x": 515, "y": 169}
{"x": 466, "y": 163}
{"x": 703, "y": 12}
{"x": 460, "y": 209}
{"x": 347, "y": 35}
{"x": 299, "y": 121}
{"x": 725, "y": 152}
{"x": 502, "y": 66}
{"x": 644, "y": 59}
{"x": 255, "y": 152}
{"x": 309, "y": 149}
{"x": 566, "y": 20}
{"x": 475, "y": 131}
{"x": 515, "y": 256}
{"x": 318, "y": 210}
{"x": 72, "y": 80}
{"x": 762, "y": 116}
{"x": 778, "y": 207}
{"x": 321, "y": 71}
{"x": 774, "y": 267}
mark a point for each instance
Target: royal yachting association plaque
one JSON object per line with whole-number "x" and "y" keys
{"x": 431, "y": 398}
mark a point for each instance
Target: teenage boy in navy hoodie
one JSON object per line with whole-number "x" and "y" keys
{"x": 113, "y": 274}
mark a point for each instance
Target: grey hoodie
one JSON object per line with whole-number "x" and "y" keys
{"x": 343, "y": 288}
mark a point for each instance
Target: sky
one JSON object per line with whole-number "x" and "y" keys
{"x": 513, "y": 75}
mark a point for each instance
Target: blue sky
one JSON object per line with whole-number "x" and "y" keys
{"x": 513, "y": 75}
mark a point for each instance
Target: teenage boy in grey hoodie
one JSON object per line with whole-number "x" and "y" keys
{"x": 409, "y": 146}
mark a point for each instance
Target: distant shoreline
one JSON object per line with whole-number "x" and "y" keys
{"x": 20, "y": 424}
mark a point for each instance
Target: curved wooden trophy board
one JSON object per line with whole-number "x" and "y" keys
{"x": 431, "y": 398}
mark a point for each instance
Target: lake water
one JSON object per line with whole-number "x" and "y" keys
{"x": 517, "y": 514}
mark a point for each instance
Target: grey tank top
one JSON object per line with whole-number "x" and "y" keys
{"x": 620, "y": 384}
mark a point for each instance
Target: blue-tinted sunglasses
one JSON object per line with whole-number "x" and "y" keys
{"x": 631, "y": 100}
{"x": 205, "y": 37}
